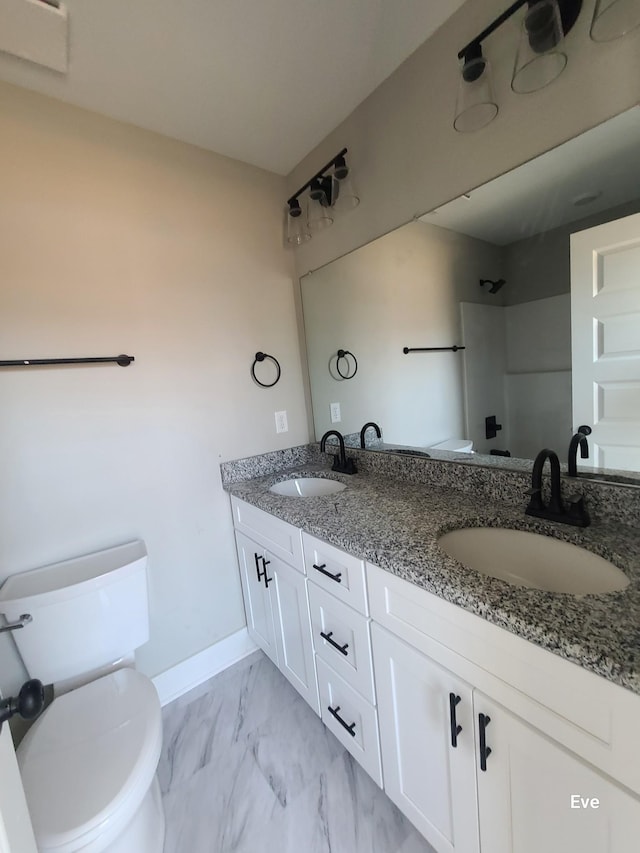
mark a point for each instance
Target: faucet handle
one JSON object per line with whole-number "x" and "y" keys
{"x": 577, "y": 511}
{"x": 351, "y": 466}
{"x": 535, "y": 502}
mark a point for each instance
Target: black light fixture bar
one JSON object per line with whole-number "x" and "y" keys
{"x": 569, "y": 11}
{"x": 318, "y": 175}
{"x": 475, "y": 43}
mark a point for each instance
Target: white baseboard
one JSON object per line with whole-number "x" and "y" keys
{"x": 207, "y": 663}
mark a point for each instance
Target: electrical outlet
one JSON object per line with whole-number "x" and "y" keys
{"x": 281, "y": 422}
{"x": 335, "y": 413}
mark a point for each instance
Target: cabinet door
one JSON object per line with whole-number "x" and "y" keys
{"x": 293, "y": 628}
{"x": 535, "y": 796}
{"x": 257, "y": 598}
{"x": 420, "y": 707}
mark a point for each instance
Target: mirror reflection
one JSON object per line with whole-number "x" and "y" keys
{"x": 519, "y": 304}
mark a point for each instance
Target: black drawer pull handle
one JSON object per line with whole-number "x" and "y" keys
{"x": 267, "y": 580}
{"x": 455, "y": 728}
{"x": 323, "y": 570}
{"x": 334, "y": 713}
{"x": 341, "y": 649}
{"x": 485, "y": 751}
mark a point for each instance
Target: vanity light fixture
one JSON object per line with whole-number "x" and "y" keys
{"x": 539, "y": 59}
{"x": 297, "y": 227}
{"x": 614, "y": 18}
{"x": 314, "y": 205}
{"x": 475, "y": 104}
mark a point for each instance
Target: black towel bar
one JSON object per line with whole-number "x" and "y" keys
{"x": 431, "y": 349}
{"x": 122, "y": 360}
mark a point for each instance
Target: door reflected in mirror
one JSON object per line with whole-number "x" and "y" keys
{"x": 485, "y": 293}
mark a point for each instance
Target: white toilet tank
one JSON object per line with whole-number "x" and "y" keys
{"x": 86, "y": 613}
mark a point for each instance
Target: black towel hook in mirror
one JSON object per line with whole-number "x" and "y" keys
{"x": 342, "y": 354}
{"x": 261, "y": 356}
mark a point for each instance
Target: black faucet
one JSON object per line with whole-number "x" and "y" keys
{"x": 365, "y": 428}
{"x": 340, "y": 463}
{"x": 580, "y": 438}
{"x": 576, "y": 514}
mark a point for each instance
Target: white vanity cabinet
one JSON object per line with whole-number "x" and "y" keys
{"x": 428, "y": 743}
{"x": 342, "y": 641}
{"x": 536, "y": 753}
{"x": 488, "y": 743}
{"x": 275, "y": 595}
{"x": 534, "y": 795}
{"x": 257, "y": 596}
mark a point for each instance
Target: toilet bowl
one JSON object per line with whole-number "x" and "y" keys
{"x": 454, "y": 445}
{"x": 88, "y": 764}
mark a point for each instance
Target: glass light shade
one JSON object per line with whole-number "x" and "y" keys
{"x": 343, "y": 195}
{"x": 539, "y": 59}
{"x": 319, "y": 216}
{"x": 614, "y": 18}
{"x": 297, "y": 228}
{"x": 475, "y": 104}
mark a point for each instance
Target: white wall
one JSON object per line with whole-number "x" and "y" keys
{"x": 485, "y": 368}
{"x": 539, "y": 335}
{"x": 518, "y": 367}
{"x": 538, "y": 388}
{"x": 539, "y": 266}
{"x": 113, "y": 239}
{"x": 401, "y": 290}
{"x": 407, "y": 158}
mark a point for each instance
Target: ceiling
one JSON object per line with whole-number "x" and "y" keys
{"x": 597, "y": 170}
{"x": 263, "y": 81}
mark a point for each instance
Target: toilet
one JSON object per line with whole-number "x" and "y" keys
{"x": 454, "y": 445}
{"x": 89, "y": 762}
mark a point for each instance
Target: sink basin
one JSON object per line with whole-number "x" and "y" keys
{"x": 532, "y": 560}
{"x": 307, "y": 487}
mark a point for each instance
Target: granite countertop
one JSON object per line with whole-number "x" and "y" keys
{"x": 395, "y": 524}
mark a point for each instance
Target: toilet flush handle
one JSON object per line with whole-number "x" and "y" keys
{"x": 28, "y": 704}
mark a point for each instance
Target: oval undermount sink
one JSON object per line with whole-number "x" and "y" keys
{"x": 532, "y": 560}
{"x": 307, "y": 487}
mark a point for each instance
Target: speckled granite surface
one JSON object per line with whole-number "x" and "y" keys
{"x": 604, "y": 500}
{"x": 395, "y": 523}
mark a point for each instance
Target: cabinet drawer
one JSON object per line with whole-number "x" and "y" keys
{"x": 340, "y": 574}
{"x": 358, "y": 731}
{"x": 279, "y": 537}
{"x": 341, "y": 638}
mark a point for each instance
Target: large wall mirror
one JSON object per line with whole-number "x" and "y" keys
{"x": 520, "y": 305}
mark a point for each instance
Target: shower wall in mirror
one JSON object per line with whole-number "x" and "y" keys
{"x": 420, "y": 288}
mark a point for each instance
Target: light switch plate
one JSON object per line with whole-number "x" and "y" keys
{"x": 335, "y": 413}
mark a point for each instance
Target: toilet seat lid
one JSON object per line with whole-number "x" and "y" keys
{"x": 89, "y": 760}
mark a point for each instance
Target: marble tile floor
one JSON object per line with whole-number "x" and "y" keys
{"x": 247, "y": 767}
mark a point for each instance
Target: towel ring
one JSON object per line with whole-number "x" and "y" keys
{"x": 343, "y": 353}
{"x": 260, "y": 356}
